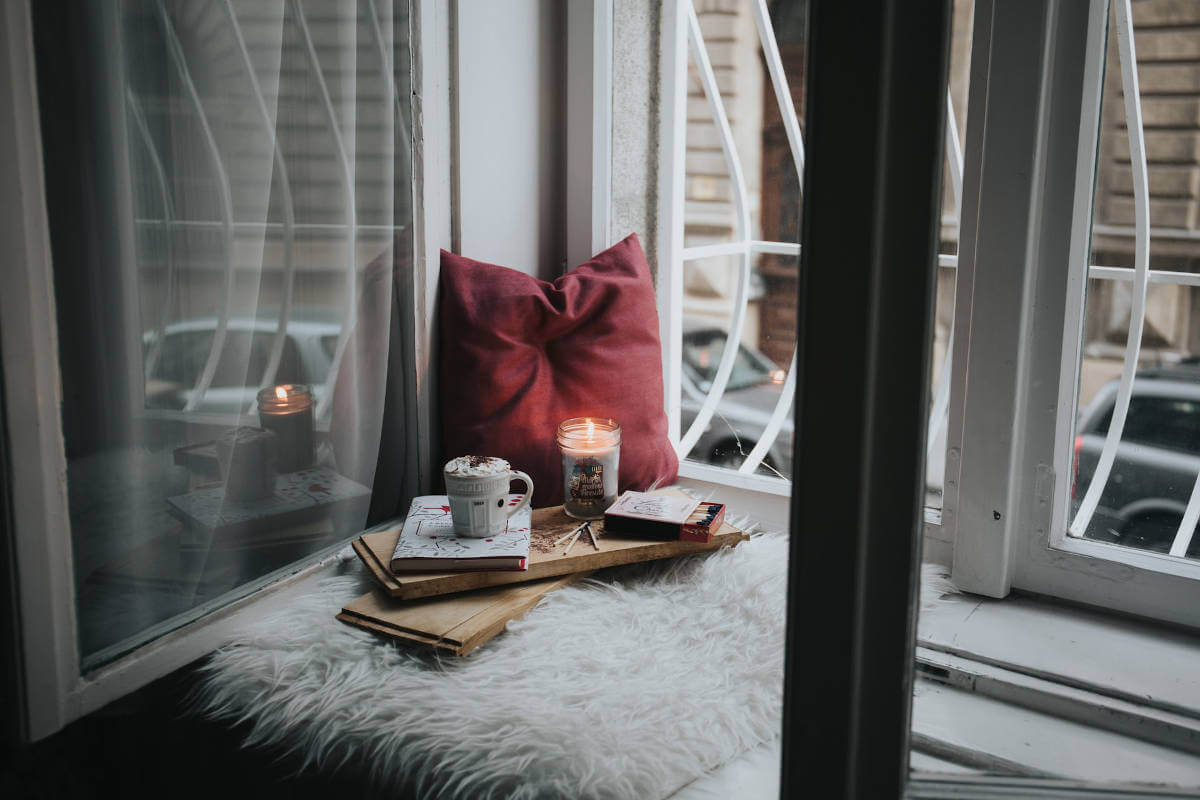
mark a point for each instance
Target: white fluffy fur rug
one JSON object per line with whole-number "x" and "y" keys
{"x": 626, "y": 687}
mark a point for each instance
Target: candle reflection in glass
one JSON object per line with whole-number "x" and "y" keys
{"x": 591, "y": 449}
{"x": 287, "y": 411}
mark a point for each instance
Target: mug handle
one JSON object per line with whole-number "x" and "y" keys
{"x": 516, "y": 474}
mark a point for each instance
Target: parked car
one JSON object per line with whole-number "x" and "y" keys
{"x": 1157, "y": 459}
{"x": 754, "y": 387}
{"x": 307, "y": 354}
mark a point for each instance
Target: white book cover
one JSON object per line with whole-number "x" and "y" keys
{"x": 653, "y": 507}
{"x": 428, "y": 543}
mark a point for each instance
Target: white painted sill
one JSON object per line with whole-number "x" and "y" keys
{"x": 1085, "y": 669}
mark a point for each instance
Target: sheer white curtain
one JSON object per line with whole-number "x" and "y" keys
{"x": 261, "y": 154}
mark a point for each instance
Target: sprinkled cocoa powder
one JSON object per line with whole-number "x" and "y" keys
{"x": 543, "y": 541}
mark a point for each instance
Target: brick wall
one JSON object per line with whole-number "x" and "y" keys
{"x": 1167, "y": 40}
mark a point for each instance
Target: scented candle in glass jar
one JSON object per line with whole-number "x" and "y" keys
{"x": 591, "y": 450}
{"x": 287, "y": 411}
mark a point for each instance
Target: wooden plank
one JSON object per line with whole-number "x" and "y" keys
{"x": 457, "y": 624}
{"x": 545, "y": 560}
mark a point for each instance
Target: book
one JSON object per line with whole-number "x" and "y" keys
{"x": 651, "y": 514}
{"x": 297, "y": 497}
{"x": 428, "y": 543}
{"x": 456, "y": 624}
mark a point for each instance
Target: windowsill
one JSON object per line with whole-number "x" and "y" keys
{"x": 1075, "y": 646}
{"x": 998, "y": 672}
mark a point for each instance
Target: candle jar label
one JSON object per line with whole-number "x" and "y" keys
{"x": 587, "y": 481}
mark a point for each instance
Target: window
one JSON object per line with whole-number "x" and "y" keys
{"x": 260, "y": 188}
{"x": 224, "y": 178}
{"x": 731, "y": 215}
{"x": 728, "y": 255}
{"x": 1071, "y": 448}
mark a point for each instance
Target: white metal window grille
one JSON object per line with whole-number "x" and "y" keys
{"x": 1141, "y": 275}
{"x": 745, "y": 247}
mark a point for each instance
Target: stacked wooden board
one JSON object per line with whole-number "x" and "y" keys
{"x": 456, "y": 612}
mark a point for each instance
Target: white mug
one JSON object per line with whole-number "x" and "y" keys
{"x": 478, "y": 490}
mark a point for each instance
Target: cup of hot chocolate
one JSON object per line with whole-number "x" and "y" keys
{"x": 478, "y": 490}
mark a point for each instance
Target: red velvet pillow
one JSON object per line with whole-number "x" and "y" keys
{"x": 519, "y": 355}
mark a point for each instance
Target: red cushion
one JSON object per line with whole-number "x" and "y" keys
{"x": 519, "y": 355}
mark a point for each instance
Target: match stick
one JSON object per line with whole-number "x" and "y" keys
{"x": 592, "y": 535}
{"x": 571, "y": 543}
{"x": 568, "y": 534}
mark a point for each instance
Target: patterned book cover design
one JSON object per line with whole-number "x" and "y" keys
{"x": 653, "y": 507}
{"x": 307, "y": 488}
{"x": 429, "y": 533}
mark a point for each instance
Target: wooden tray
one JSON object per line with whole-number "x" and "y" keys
{"x": 456, "y": 625}
{"x": 545, "y": 561}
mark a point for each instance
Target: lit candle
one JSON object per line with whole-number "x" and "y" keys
{"x": 591, "y": 449}
{"x": 286, "y": 410}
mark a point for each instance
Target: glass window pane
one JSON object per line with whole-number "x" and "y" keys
{"x": 263, "y": 163}
{"x": 1143, "y": 497}
{"x": 761, "y": 136}
{"x": 769, "y": 197}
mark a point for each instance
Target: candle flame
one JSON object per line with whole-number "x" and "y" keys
{"x": 591, "y": 429}
{"x": 281, "y": 393}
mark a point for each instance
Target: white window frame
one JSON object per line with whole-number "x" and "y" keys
{"x": 1028, "y": 190}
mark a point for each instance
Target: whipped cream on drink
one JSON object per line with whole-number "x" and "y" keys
{"x": 476, "y": 466}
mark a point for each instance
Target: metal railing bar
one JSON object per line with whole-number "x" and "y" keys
{"x": 289, "y": 211}
{"x": 954, "y": 156}
{"x": 787, "y": 111}
{"x": 778, "y": 248}
{"x": 351, "y": 210}
{"x": 1155, "y": 275}
{"x": 168, "y": 203}
{"x": 711, "y": 250}
{"x": 733, "y": 248}
{"x": 1161, "y": 276}
{"x": 1187, "y": 525}
{"x": 1137, "y": 317}
{"x": 778, "y": 415}
{"x": 940, "y": 408}
{"x": 402, "y": 135}
{"x": 175, "y": 50}
{"x": 737, "y": 323}
{"x": 783, "y": 97}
